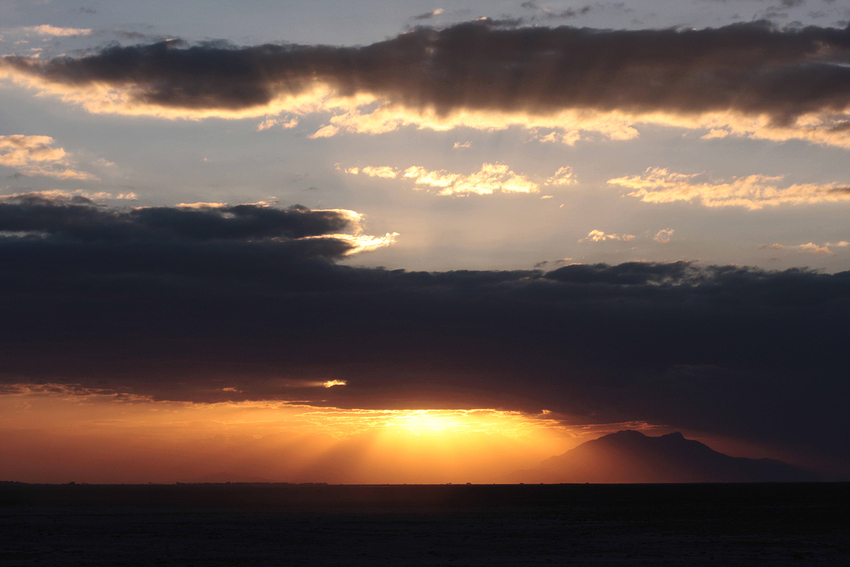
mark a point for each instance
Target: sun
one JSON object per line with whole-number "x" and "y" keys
{"x": 429, "y": 421}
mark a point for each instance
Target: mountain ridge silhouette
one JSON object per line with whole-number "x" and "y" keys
{"x": 629, "y": 456}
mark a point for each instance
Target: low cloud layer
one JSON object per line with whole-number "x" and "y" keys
{"x": 77, "y": 218}
{"x": 744, "y": 79}
{"x": 153, "y": 238}
{"x": 247, "y": 303}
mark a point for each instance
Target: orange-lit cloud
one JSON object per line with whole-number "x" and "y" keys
{"x": 202, "y": 205}
{"x": 716, "y": 133}
{"x": 663, "y": 235}
{"x": 17, "y": 151}
{"x": 491, "y": 178}
{"x": 58, "y": 195}
{"x": 286, "y": 123}
{"x": 658, "y": 185}
{"x": 37, "y": 156}
{"x": 599, "y": 236}
{"x": 571, "y": 126}
{"x": 63, "y": 216}
{"x": 564, "y": 176}
{"x": 55, "y": 31}
{"x": 743, "y": 80}
{"x": 360, "y": 242}
{"x": 385, "y": 172}
{"x": 428, "y": 15}
{"x": 809, "y": 247}
{"x": 379, "y": 116}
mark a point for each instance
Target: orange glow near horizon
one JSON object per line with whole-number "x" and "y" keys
{"x": 57, "y": 434}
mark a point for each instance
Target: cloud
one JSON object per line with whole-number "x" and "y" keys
{"x": 385, "y": 172}
{"x": 491, "y": 178}
{"x": 715, "y": 133}
{"x": 814, "y": 248}
{"x": 745, "y": 79}
{"x": 73, "y": 219}
{"x": 360, "y": 242}
{"x": 599, "y": 236}
{"x": 564, "y": 176}
{"x": 56, "y": 31}
{"x": 569, "y": 13}
{"x": 285, "y": 123}
{"x": 458, "y": 145}
{"x": 36, "y": 156}
{"x": 809, "y": 247}
{"x": 428, "y": 15}
{"x": 545, "y": 13}
{"x": 570, "y": 137}
{"x": 78, "y": 196}
{"x": 658, "y": 185}
{"x": 19, "y": 150}
{"x": 165, "y": 312}
{"x": 663, "y": 235}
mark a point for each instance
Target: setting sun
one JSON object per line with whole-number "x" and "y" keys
{"x": 88, "y": 436}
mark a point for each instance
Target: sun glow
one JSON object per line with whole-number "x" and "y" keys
{"x": 58, "y": 433}
{"x": 425, "y": 421}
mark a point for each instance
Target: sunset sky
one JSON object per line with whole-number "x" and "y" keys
{"x": 415, "y": 241}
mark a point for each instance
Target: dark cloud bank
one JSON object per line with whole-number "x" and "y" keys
{"x": 181, "y": 304}
{"x": 752, "y": 68}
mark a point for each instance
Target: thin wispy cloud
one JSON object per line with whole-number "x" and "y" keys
{"x": 809, "y": 247}
{"x": 286, "y": 123}
{"x": 428, "y": 15}
{"x": 77, "y": 197}
{"x": 55, "y": 31}
{"x": 753, "y": 192}
{"x": 491, "y": 178}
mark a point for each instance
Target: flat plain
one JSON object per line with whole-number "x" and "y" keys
{"x": 289, "y": 524}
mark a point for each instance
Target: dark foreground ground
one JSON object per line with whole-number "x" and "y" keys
{"x": 272, "y": 524}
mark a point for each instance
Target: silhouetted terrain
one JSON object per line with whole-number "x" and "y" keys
{"x": 632, "y": 457}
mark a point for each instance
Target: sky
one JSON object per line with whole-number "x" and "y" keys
{"x": 420, "y": 242}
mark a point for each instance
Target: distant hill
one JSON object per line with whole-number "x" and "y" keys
{"x": 632, "y": 457}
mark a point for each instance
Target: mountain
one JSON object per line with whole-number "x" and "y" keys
{"x": 632, "y": 457}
